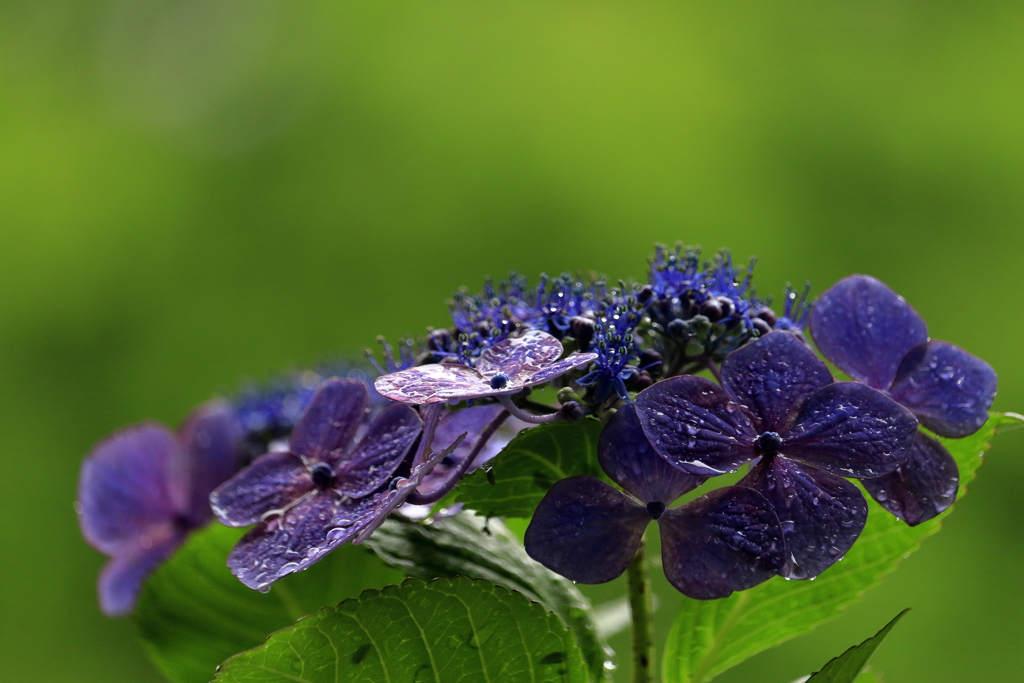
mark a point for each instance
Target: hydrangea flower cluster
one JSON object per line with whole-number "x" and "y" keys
{"x": 692, "y": 375}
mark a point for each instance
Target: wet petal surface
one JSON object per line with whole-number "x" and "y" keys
{"x": 695, "y": 425}
{"x": 271, "y": 482}
{"x": 948, "y": 389}
{"x": 586, "y": 530}
{"x": 301, "y": 537}
{"x": 124, "y": 489}
{"x": 773, "y": 378}
{"x": 433, "y": 384}
{"x": 922, "y": 487}
{"x": 728, "y": 540}
{"x": 379, "y": 452}
{"x": 520, "y": 357}
{"x": 576, "y": 360}
{"x": 331, "y": 420}
{"x": 851, "y": 430}
{"x": 821, "y": 514}
{"x": 866, "y": 329}
{"x": 629, "y": 459}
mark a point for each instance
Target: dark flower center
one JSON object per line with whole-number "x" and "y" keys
{"x": 768, "y": 443}
{"x": 499, "y": 381}
{"x": 321, "y": 474}
{"x": 656, "y": 509}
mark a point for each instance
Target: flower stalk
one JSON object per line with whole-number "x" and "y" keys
{"x": 641, "y": 608}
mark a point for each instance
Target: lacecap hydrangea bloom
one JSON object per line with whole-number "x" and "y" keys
{"x": 691, "y": 374}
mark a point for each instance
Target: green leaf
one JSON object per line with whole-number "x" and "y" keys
{"x": 458, "y": 546}
{"x": 846, "y": 667}
{"x": 193, "y": 614}
{"x": 445, "y": 630}
{"x": 528, "y": 466}
{"x": 711, "y": 636}
{"x": 869, "y": 676}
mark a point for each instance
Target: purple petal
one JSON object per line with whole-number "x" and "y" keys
{"x": 561, "y": 367}
{"x": 434, "y": 383}
{"x": 272, "y": 482}
{"x": 920, "y": 488}
{"x": 389, "y": 500}
{"x": 585, "y": 530}
{"x": 866, "y": 329}
{"x": 773, "y": 378}
{"x": 695, "y": 425}
{"x": 468, "y": 421}
{"x": 123, "y": 491}
{"x": 851, "y": 430}
{"x": 629, "y": 459}
{"x": 331, "y": 420}
{"x": 948, "y": 389}
{"x": 379, "y": 453}
{"x": 821, "y": 514}
{"x": 122, "y": 577}
{"x": 728, "y": 540}
{"x": 297, "y": 539}
{"x": 210, "y": 434}
{"x": 520, "y": 357}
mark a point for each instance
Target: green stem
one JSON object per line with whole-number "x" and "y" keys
{"x": 641, "y": 608}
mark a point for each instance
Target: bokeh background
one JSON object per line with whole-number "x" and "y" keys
{"x": 198, "y": 192}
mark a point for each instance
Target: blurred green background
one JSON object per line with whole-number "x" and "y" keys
{"x": 196, "y": 192}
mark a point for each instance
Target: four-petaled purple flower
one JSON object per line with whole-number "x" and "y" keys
{"x": 321, "y": 493}
{"x": 588, "y": 531}
{"x": 871, "y": 333}
{"x": 143, "y": 489}
{"x": 779, "y": 405}
{"x": 501, "y": 370}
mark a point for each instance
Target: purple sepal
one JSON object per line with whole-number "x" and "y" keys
{"x": 695, "y": 425}
{"x": 851, "y": 430}
{"x": 519, "y": 358}
{"x": 379, "y": 452}
{"x": 821, "y": 514}
{"x": 210, "y": 434}
{"x": 125, "y": 489}
{"x": 389, "y": 500}
{"x": 576, "y": 360}
{"x": 629, "y": 459}
{"x": 434, "y": 383}
{"x": 922, "y": 487}
{"x": 866, "y": 329}
{"x": 773, "y": 378}
{"x": 271, "y": 482}
{"x": 121, "y": 578}
{"x": 505, "y": 368}
{"x": 728, "y": 540}
{"x": 586, "y": 530}
{"x": 291, "y": 542}
{"x": 471, "y": 422}
{"x": 948, "y": 389}
{"x": 331, "y": 419}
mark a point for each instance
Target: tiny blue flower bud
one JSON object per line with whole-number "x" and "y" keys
{"x": 499, "y": 381}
